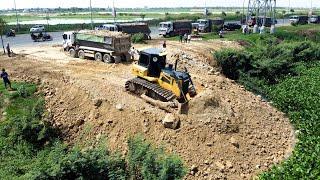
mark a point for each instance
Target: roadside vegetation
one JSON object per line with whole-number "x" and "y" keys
{"x": 31, "y": 149}
{"x": 285, "y": 69}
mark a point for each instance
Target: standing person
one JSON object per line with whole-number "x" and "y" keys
{"x": 5, "y": 77}
{"x": 221, "y": 33}
{"x": 164, "y": 45}
{"x": 189, "y": 38}
{"x": 180, "y": 37}
{"x": 185, "y": 37}
{"x": 8, "y": 50}
{"x": 132, "y": 52}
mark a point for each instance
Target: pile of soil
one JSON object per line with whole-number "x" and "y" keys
{"x": 228, "y": 133}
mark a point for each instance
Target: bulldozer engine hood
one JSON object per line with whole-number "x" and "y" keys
{"x": 177, "y": 74}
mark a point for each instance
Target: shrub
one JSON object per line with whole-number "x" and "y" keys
{"x": 137, "y": 38}
{"x": 146, "y": 162}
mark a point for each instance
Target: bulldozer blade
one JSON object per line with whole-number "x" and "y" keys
{"x": 183, "y": 108}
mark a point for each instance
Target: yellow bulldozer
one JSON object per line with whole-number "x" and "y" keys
{"x": 159, "y": 80}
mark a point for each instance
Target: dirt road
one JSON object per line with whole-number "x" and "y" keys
{"x": 229, "y": 132}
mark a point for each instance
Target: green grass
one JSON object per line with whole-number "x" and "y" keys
{"x": 285, "y": 69}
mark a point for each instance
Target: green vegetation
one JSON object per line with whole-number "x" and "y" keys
{"x": 30, "y": 148}
{"x": 138, "y": 38}
{"x": 285, "y": 69}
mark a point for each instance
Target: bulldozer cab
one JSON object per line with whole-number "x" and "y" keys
{"x": 154, "y": 60}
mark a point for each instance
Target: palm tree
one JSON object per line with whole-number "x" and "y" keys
{"x": 3, "y": 25}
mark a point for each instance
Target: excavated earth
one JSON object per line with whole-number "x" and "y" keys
{"x": 229, "y": 133}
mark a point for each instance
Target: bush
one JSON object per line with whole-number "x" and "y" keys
{"x": 146, "y": 162}
{"x": 288, "y": 75}
{"x": 137, "y": 38}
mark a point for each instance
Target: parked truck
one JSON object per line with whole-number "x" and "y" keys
{"x": 206, "y": 25}
{"x": 260, "y": 21}
{"x": 129, "y": 28}
{"x": 315, "y": 19}
{"x": 173, "y": 28}
{"x": 102, "y": 45}
{"x": 295, "y": 20}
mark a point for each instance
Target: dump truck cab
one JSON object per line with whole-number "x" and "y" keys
{"x": 152, "y": 67}
{"x": 165, "y": 28}
{"x": 204, "y": 25}
{"x": 68, "y": 39}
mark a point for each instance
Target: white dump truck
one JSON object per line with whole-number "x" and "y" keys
{"x": 106, "y": 46}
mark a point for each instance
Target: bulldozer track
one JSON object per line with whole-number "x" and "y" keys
{"x": 152, "y": 89}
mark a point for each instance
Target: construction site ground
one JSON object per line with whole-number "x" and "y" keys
{"x": 229, "y": 133}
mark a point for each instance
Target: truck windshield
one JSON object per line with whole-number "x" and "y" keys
{"x": 202, "y": 22}
{"x": 64, "y": 36}
{"x": 164, "y": 25}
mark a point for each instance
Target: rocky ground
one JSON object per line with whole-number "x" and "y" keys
{"x": 229, "y": 132}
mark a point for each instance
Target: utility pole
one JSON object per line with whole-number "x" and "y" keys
{"x": 91, "y": 15}
{"x": 15, "y": 7}
{"x": 242, "y": 12}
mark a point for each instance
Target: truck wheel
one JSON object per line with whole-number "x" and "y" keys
{"x": 98, "y": 56}
{"x": 72, "y": 52}
{"x": 81, "y": 54}
{"x": 107, "y": 58}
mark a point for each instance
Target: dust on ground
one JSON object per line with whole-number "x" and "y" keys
{"x": 229, "y": 132}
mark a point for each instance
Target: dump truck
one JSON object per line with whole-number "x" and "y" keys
{"x": 129, "y": 28}
{"x": 174, "y": 28}
{"x": 315, "y": 19}
{"x": 102, "y": 45}
{"x": 254, "y": 21}
{"x": 205, "y": 25}
{"x": 298, "y": 19}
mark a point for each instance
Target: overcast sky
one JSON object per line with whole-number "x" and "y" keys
{"x": 5, "y": 4}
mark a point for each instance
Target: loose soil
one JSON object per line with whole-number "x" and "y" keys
{"x": 229, "y": 132}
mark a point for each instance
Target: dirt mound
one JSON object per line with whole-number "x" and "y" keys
{"x": 228, "y": 133}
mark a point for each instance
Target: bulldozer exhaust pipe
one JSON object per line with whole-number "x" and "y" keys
{"x": 175, "y": 65}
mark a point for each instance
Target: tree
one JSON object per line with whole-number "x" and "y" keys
{"x": 283, "y": 13}
{"x": 292, "y": 10}
{"x": 3, "y": 25}
{"x": 223, "y": 13}
{"x": 237, "y": 14}
{"x": 142, "y": 16}
{"x": 47, "y": 18}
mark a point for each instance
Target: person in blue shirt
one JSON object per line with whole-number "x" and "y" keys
{"x": 5, "y": 77}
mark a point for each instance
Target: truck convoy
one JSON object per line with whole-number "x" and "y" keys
{"x": 174, "y": 28}
{"x": 159, "y": 80}
{"x": 102, "y": 45}
{"x": 129, "y": 28}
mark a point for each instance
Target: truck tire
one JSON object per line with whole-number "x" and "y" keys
{"x": 72, "y": 52}
{"x": 81, "y": 54}
{"x": 107, "y": 58}
{"x": 98, "y": 56}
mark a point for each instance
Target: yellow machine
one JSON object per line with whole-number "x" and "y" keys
{"x": 158, "y": 80}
